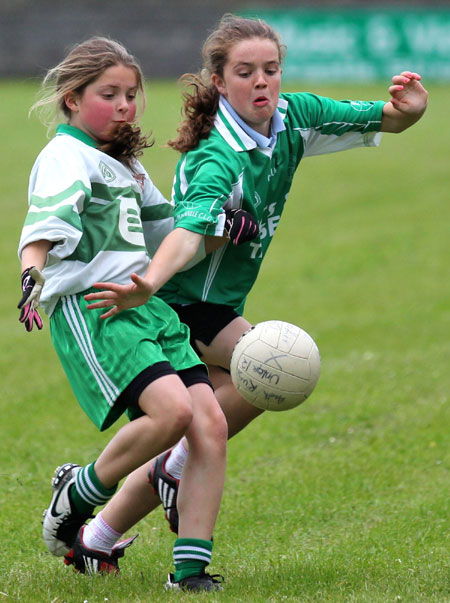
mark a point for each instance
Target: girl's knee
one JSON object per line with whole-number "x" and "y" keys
{"x": 168, "y": 404}
{"x": 181, "y": 414}
{"x": 219, "y": 426}
{"x": 212, "y": 428}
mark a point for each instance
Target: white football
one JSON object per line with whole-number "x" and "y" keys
{"x": 275, "y": 365}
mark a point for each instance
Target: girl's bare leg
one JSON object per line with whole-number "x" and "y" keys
{"x": 168, "y": 409}
{"x": 203, "y": 476}
{"x": 133, "y": 501}
{"x": 217, "y": 356}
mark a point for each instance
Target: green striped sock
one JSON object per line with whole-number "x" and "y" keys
{"x": 88, "y": 491}
{"x": 191, "y": 556}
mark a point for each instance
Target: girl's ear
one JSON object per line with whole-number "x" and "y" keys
{"x": 219, "y": 84}
{"x": 71, "y": 100}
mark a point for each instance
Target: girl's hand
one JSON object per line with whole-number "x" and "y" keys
{"x": 407, "y": 93}
{"x": 120, "y": 297}
{"x": 32, "y": 282}
{"x": 407, "y": 103}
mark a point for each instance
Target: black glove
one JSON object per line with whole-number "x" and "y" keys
{"x": 32, "y": 282}
{"x": 240, "y": 226}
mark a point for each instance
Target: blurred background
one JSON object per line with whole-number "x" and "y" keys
{"x": 348, "y": 498}
{"x": 327, "y": 40}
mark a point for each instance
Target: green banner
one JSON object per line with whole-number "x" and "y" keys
{"x": 363, "y": 45}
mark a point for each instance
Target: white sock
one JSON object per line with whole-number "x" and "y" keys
{"x": 99, "y": 536}
{"x": 175, "y": 462}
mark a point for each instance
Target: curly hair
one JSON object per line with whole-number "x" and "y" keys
{"x": 127, "y": 143}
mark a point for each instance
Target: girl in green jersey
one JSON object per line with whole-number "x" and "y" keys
{"x": 92, "y": 210}
{"x": 241, "y": 142}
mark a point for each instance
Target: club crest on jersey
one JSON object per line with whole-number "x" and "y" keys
{"x": 191, "y": 205}
{"x": 361, "y": 105}
{"x": 107, "y": 172}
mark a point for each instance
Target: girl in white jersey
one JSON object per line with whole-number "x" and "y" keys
{"x": 241, "y": 142}
{"x": 93, "y": 216}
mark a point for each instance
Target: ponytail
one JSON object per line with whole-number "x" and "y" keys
{"x": 199, "y": 109}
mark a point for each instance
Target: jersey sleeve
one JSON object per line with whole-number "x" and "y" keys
{"x": 156, "y": 216}
{"x": 59, "y": 187}
{"x": 327, "y": 125}
{"x": 203, "y": 184}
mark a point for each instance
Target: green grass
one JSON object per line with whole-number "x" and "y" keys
{"x": 345, "y": 499}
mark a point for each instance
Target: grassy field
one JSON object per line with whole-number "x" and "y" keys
{"x": 344, "y": 499}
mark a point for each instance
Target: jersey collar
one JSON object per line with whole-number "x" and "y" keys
{"x": 239, "y": 135}
{"x": 76, "y": 133}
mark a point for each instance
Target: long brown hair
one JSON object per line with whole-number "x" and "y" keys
{"x": 85, "y": 63}
{"x": 201, "y": 103}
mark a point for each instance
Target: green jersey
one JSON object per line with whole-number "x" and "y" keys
{"x": 103, "y": 219}
{"x": 229, "y": 170}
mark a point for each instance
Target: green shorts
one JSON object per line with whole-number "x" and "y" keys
{"x": 101, "y": 357}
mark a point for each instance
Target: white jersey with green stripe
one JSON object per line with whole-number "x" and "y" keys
{"x": 229, "y": 170}
{"x": 103, "y": 219}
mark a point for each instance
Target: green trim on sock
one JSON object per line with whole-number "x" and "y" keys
{"x": 191, "y": 556}
{"x": 198, "y": 542}
{"x": 107, "y": 492}
{"x": 78, "y": 496}
{"x": 81, "y": 506}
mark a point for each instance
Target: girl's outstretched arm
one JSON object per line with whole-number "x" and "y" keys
{"x": 407, "y": 104}
{"x": 176, "y": 250}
